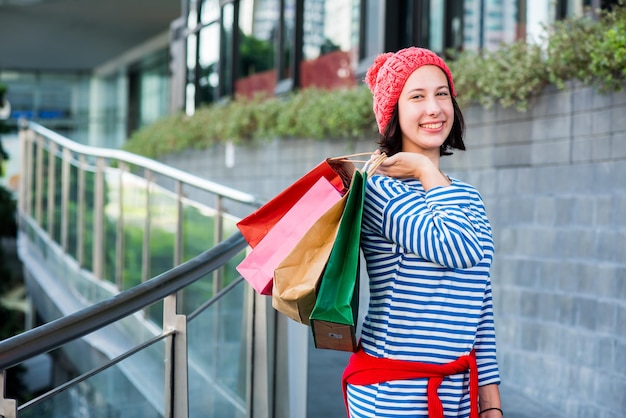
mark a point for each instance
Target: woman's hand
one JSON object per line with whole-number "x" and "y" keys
{"x": 413, "y": 165}
{"x": 491, "y": 413}
{"x": 405, "y": 165}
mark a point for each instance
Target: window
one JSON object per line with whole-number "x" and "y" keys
{"x": 203, "y": 58}
{"x": 371, "y": 17}
{"x": 259, "y": 26}
{"x": 330, "y": 43}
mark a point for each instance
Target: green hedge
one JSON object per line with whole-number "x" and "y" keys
{"x": 592, "y": 51}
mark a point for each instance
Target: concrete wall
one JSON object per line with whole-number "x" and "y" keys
{"x": 554, "y": 182}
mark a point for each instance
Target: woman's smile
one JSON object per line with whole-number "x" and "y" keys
{"x": 432, "y": 126}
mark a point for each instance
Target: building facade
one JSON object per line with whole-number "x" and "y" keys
{"x": 221, "y": 49}
{"x": 244, "y": 48}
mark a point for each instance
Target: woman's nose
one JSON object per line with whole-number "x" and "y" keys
{"x": 433, "y": 107}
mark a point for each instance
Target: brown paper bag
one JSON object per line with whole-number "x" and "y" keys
{"x": 297, "y": 277}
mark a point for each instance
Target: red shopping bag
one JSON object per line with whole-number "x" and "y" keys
{"x": 256, "y": 225}
{"x": 259, "y": 265}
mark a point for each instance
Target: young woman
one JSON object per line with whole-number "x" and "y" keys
{"x": 428, "y": 345}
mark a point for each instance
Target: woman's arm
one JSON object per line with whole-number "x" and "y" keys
{"x": 443, "y": 226}
{"x": 489, "y": 397}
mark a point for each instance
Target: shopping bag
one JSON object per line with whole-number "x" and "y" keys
{"x": 256, "y": 226}
{"x": 259, "y": 265}
{"x": 334, "y": 315}
{"x": 297, "y": 277}
{"x": 333, "y": 318}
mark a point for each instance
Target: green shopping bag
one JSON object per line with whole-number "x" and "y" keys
{"x": 334, "y": 316}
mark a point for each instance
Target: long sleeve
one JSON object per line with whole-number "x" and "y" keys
{"x": 442, "y": 225}
{"x": 485, "y": 344}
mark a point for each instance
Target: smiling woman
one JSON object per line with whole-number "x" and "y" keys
{"x": 427, "y": 242}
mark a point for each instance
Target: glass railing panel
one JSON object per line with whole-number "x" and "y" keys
{"x": 198, "y": 229}
{"x": 131, "y": 388}
{"x": 112, "y": 216}
{"x": 198, "y": 236}
{"x": 134, "y": 213}
{"x": 193, "y": 296}
{"x": 163, "y": 215}
{"x": 65, "y": 269}
{"x": 218, "y": 352}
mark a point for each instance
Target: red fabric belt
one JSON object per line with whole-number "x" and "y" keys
{"x": 364, "y": 369}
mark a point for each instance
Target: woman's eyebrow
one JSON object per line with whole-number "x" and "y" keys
{"x": 419, "y": 89}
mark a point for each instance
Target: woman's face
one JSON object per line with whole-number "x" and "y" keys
{"x": 425, "y": 111}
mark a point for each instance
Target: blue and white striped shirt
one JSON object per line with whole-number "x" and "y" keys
{"x": 428, "y": 258}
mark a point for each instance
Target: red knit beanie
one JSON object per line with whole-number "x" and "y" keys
{"x": 388, "y": 74}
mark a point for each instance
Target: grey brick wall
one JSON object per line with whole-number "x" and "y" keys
{"x": 554, "y": 182}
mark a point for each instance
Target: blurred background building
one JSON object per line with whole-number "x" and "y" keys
{"x": 97, "y": 71}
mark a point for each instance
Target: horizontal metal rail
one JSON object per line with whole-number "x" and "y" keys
{"x": 130, "y": 352}
{"x": 148, "y": 164}
{"x": 54, "y": 334}
{"x": 95, "y": 371}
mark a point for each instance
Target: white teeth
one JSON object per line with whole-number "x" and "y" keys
{"x": 432, "y": 125}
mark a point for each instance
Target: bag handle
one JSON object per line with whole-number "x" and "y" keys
{"x": 371, "y": 166}
{"x": 350, "y": 156}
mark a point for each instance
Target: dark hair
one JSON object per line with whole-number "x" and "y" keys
{"x": 391, "y": 141}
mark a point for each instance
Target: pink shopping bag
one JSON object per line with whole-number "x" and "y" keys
{"x": 255, "y": 226}
{"x": 259, "y": 265}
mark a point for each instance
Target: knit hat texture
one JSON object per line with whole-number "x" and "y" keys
{"x": 388, "y": 74}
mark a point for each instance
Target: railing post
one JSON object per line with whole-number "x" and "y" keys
{"x": 80, "y": 221}
{"x": 145, "y": 253}
{"x": 98, "y": 220}
{"x": 39, "y": 180}
{"x": 262, "y": 382}
{"x": 119, "y": 237}
{"x": 51, "y": 178}
{"x": 25, "y": 191}
{"x": 219, "y": 235}
{"x": 176, "y": 375}
{"x": 178, "y": 237}
{"x": 145, "y": 248}
{"x": 8, "y": 407}
{"x": 65, "y": 197}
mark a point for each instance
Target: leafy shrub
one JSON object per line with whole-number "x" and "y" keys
{"x": 310, "y": 113}
{"x": 592, "y": 51}
{"x": 608, "y": 59}
{"x": 511, "y": 75}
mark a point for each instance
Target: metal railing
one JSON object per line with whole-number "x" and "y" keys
{"x": 54, "y": 334}
{"x": 80, "y": 209}
{"x": 64, "y": 181}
